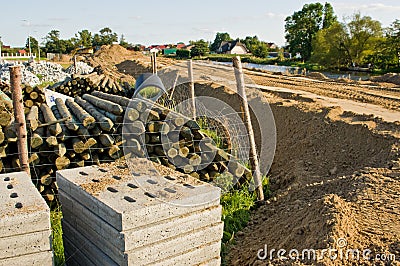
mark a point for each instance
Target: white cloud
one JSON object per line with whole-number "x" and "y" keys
{"x": 274, "y": 15}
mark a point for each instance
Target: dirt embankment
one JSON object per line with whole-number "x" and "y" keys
{"x": 335, "y": 177}
{"x": 125, "y": 64}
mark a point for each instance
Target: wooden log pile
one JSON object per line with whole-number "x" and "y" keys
{"x": 33, "y": 96}
{"x": 79, "y": 84}
{"x": 88, "y": 130}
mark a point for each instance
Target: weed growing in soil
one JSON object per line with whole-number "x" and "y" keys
{"x": 56, "y": 235}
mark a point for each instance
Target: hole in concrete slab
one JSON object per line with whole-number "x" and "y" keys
{"x": 18, "y": 205}
{"x": 132, "y": 185}
{"x": 135, "y": 174}
{"x": 188, "y": 186}
{"x": 9, "y": 186}
{"x": 169, "y": 177}
{"x": 153, "y": 170}
{"x": 83, "y": 173}
{"x": 122, "y": 166}
{"x": 170, "y": 190}
{"x": 129, "y": 199}
{"x": 103, "y": 170}
{"x": 13, "y": 195}
{"x": 116, "y": 177}
{"x": 111, "y": 189}
{"x": 151, "y": 181}
{"x": 148, "y": 194}
{"x": 95, "y": 180}
{"x": 7, "y": 179}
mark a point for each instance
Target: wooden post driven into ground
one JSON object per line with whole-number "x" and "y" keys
{"x": 154, "y": 62}
{"x": 237, "y": 65}
{"x": 20, "y": 125}
{"x": 191, "y": 83}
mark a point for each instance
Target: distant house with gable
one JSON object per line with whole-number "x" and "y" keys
{"x": 233, "y": 47}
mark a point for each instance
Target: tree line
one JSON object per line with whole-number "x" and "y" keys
{"x": 53, "y": 43}
{"x": 315, "y": 33}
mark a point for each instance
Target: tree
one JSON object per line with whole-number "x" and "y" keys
{"x": 347, "y": 43}
{"x": 303, "y": 25}
{"x": 34, "y": 44}
{"x": 83, "y": 38}
{"x": 123, "y": 42}
{"x": 393, "y": 41}
{"x": 106, "y": 36}
{"x": 219, "y": 38}
{"x": 255, "y": 46}
{"x": 200, "y": 48}
{"x": 53, "y": 44}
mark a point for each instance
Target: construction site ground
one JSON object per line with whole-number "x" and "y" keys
{"x": 335, "y": 178}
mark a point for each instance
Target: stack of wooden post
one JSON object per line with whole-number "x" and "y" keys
{"x": 33, "y": 96}
{"x": 78, "y": 85}
{"x": 88, "y": 130}
{"x": 8, "y": 136}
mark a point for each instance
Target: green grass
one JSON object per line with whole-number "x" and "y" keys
{"x": 56, "y": 235}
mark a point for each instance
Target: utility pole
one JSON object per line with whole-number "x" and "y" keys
{"x": 255, "y": 166}
{"x": 191, "y": 83}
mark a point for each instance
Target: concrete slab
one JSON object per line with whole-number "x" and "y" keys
{"x": 149, "y": 254}
{"x": 41, "y": 259}
{"x": 23, "y": 208}
{"x": 18, "y": 245}
{"x": 105, "y": 235}
{"x": 206, "y": 255}
{"x": 127, "y": 202}
{"x": 74, "y": 256}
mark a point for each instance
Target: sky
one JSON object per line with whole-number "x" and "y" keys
{"x": 160, "y": 22}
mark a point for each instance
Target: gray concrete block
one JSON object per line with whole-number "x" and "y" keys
{"x": 74, "y": 256}
{"x": 23, "y": 208}
{"x": 41, "y": 259}
{"x": 17, "y": 245}
{"x": 206, "y": 255}
{"x": 89, "y": 224}
{"x": 156, "y": 252}
{"x": 75, "y": 242}
{"x": 177, "y": 245}
{"x": 124, "y": 207}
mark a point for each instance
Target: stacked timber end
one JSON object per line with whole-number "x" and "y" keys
{"x": 24, "y": 223}
{"x": 101, "y": 128}
{"x": 115, "y": 216}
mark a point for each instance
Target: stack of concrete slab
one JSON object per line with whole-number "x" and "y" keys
{"x": 113, "y": 216}
{"x": 25, "y": 234}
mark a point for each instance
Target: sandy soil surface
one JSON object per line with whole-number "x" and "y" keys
{"x": 335, "y": 178}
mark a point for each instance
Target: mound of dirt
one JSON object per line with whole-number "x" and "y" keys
{"x": 316, "y": 75}
{"x": 125, "y": 64}
{"x": 389, "y": 77}
{"x": 335, "y": 181}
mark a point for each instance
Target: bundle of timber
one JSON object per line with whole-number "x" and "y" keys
{"x": 33, "y": 96}
{"x": 79, "y": 84}
{"x": 88, "y": 130}
{"x": 4, "y": 86}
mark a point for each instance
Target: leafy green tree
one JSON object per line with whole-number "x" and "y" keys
{"x": 53, "y": 44}
{"x": 393, "y": 41}
{"x": 219, "y": 38}
{"x": 123, "y": 42}
{"x": 106, "y": 36}
{"x": 83, "y": 38}
{"x": 347, "y": 43}
{"x": 200, "y": 48}
{"x": 34, "y": 44}
{"x": 303, "y": 25}
{"x": 255, "y": 46}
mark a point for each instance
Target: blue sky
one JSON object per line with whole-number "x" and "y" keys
{"x": 155, "y": 22}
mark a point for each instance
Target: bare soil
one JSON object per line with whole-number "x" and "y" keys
{"x": 336, "y": 171}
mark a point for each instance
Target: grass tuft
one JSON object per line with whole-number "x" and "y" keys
{"x": 56, "y": 235}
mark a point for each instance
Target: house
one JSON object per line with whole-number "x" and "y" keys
{"x": 180, "y": 45}
{"x": 232, "y": 47}
{"x": 272, "y": 46}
